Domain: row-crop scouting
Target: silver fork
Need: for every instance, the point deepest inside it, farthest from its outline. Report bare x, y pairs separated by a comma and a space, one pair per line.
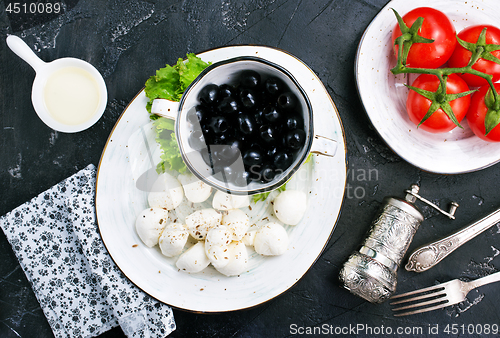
442, 295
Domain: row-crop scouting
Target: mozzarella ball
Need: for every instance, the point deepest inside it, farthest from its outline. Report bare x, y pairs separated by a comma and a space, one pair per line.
290, 206
201, 221
237, 221
271, 239
149, 225
249, 238
216, 246
195, 190
223, 201
238, 260
193, 259
166, 192
172, 239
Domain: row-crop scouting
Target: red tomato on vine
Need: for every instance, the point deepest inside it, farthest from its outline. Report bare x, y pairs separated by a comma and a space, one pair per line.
436, 26
418, 106
461, 56
477, 114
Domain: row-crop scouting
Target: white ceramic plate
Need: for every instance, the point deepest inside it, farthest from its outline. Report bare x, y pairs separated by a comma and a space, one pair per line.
384, 95
131, 151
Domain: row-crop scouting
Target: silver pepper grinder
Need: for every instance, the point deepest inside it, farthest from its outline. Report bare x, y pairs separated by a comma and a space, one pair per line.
371, 272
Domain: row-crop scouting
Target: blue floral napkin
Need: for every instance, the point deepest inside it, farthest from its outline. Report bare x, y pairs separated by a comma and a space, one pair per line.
80, 289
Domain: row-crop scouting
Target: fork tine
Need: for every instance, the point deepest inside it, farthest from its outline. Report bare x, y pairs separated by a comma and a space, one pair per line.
430, 288
440, 306
427, 295
442, 298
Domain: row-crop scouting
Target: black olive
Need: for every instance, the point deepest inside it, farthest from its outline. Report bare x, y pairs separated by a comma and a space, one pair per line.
241, 178
254, 143
196, 114
205, 129
230, 151
242, 137
218, 125
268, 133
249, 79
226, 174
222, 139
196, 140
222, 159
208, 95
254, 172
252, 157
287, 101
226, 90
294, 122
215, 157
295, 139
245, 124
282, 159
217, 162
248, 98
271, 152
267, 173
273, 86
228, 105
271, 113
235, 143
258, 116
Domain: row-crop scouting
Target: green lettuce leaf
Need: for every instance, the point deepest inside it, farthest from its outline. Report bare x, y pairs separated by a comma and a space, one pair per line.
263, 195
189, 70
170, 83
170, 155
165, 84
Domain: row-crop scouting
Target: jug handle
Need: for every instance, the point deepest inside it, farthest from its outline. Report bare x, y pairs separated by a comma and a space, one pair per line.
325, 146
165, 108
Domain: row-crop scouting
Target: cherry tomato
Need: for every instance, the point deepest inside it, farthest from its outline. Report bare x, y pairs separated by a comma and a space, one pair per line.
436, 26
461, 56
477, 113
417, 105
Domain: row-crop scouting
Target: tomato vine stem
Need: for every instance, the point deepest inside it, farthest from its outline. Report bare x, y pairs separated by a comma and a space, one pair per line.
440, 72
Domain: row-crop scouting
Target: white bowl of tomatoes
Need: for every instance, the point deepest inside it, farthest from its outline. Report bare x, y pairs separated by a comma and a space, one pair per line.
449, 138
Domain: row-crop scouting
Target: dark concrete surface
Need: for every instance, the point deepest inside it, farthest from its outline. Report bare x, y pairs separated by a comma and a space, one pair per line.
127, 41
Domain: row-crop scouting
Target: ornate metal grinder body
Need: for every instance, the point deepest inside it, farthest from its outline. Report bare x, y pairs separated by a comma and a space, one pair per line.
371, 272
